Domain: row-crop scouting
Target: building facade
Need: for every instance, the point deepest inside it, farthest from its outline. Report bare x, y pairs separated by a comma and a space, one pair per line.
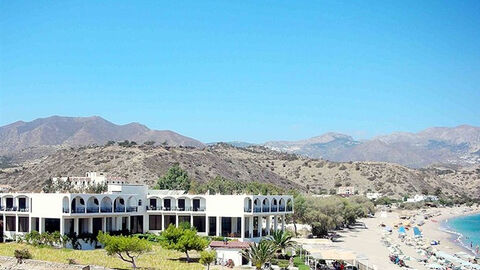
90, 179
421, 198
140, 210
346, 191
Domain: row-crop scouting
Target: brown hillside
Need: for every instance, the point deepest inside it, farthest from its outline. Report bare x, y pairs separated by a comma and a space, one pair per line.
145, 164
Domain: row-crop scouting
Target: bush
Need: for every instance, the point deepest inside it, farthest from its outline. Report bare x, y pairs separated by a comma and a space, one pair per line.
71, 261
207, 257
217, 238
304, 267
148, 236
45, 239
22, 254
283, 264
297, 261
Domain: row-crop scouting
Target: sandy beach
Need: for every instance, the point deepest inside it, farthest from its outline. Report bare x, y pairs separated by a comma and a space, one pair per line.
369, 243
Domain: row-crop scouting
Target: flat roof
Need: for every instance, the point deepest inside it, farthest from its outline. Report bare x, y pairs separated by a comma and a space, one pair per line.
229, 244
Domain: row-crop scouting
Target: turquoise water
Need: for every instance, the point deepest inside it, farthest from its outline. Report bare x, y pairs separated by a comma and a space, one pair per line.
468, 227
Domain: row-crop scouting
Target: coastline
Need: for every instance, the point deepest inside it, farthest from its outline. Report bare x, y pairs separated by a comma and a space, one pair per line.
437, 228
368, 243
457, 237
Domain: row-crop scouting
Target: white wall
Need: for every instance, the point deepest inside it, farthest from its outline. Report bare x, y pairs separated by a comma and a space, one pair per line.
224, 254
225, 205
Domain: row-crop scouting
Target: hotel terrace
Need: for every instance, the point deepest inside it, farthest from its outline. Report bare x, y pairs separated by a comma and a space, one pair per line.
139, 210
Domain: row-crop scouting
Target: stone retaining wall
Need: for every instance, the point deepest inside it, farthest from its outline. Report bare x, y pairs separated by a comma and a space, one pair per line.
7, 263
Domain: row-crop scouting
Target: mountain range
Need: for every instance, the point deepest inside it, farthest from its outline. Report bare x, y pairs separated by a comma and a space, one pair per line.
32, 152
433, 146
438, 145
77, 131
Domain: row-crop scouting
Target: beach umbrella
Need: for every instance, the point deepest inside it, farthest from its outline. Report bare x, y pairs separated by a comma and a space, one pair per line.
401, 230
417, 232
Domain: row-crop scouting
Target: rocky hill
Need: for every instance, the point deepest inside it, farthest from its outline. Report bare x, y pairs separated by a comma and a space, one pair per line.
145, 164
458, 145
51, 132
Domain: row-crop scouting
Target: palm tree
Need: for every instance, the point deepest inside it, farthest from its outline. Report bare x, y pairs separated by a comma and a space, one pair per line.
281, 240
260, 253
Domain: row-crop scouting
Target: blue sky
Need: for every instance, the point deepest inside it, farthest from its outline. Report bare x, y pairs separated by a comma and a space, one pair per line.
244, 70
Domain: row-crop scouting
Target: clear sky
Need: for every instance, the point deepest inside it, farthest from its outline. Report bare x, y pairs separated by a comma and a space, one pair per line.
244, 70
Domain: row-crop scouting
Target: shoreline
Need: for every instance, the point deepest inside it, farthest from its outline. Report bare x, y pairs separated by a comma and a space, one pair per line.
457, 237
369, 242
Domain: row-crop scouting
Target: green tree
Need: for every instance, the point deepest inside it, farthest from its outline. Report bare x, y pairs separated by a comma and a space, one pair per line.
221, 185
207, 257
260, 253
281, 239
384, 201
127, 248
175, 178
125, 143
110, 143
322, 225
300, 210
149, 143
96, 188
182, 239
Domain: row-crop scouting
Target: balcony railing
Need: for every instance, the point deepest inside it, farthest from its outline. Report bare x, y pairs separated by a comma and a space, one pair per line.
281, 209
274, 208
247, 209
65, 210
93, 210
106, 209
119, 209
289, 209
257, 209
160, 208
132, 209
14, 209
78, 210
266, 209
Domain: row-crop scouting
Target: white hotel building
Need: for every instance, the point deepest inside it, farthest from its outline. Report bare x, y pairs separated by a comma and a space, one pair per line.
139, 210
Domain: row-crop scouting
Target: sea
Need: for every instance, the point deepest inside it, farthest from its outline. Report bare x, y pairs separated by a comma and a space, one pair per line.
467, 229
